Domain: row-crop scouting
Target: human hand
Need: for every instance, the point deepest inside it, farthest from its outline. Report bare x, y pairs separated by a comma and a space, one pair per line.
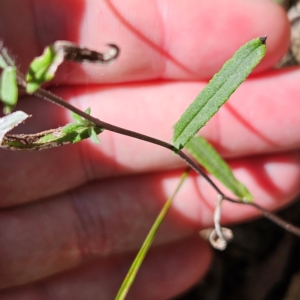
72, 218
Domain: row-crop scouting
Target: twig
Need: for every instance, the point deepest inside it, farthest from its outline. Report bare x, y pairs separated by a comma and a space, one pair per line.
48, 96
272, 217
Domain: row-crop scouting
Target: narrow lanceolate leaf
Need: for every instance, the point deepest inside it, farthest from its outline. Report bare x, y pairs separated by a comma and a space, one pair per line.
218, 90
9, 88
209, 158
7, 123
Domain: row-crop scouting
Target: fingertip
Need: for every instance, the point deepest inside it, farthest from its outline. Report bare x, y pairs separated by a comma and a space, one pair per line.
210, 32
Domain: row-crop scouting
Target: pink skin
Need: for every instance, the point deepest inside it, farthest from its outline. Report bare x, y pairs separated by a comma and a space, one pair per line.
89, 207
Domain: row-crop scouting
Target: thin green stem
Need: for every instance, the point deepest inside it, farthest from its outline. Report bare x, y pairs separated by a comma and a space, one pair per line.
129, 279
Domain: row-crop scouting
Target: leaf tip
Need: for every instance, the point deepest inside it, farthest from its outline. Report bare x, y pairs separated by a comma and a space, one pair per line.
88, 111
263, 39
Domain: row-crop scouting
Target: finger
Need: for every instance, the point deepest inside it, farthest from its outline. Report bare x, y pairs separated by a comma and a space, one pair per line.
114, 216
171, 269
173, 40
261, 117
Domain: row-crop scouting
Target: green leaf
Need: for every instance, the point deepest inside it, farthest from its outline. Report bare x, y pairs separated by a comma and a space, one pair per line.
93, 135
209, 158
42, 69
88, 111
69, 134
77, 118
81, 120
71, 127
9, 88
218, 90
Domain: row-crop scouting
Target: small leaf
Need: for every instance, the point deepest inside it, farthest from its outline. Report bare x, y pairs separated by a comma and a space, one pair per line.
7, 123
9, 88
85, 121
209, 158
69, 134
88, 111
77, 118
43, 68
218, 90
93, 135
81, 120
71, 127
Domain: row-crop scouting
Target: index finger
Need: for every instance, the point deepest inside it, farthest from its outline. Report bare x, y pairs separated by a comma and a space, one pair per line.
171, 40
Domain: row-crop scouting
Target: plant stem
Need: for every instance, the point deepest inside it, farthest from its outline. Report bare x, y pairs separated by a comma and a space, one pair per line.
48, 96
272, 217
130, 277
